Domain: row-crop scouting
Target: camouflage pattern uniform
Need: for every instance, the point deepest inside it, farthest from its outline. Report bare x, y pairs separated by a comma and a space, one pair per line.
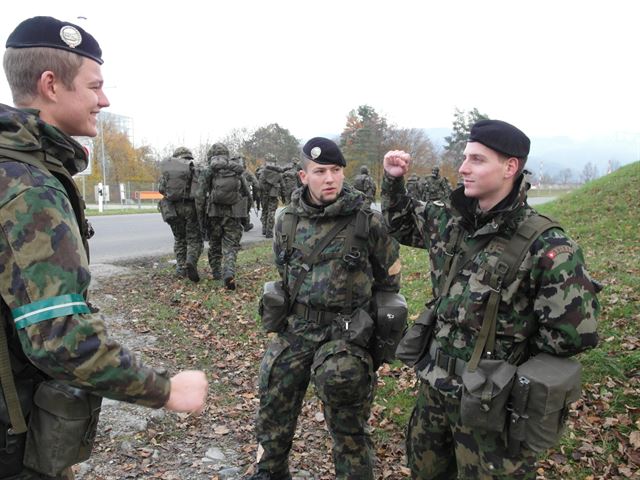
224, 221
44, 263
551, 305
436, 187
270, 188
181, 213
252, 182
290, 181
365, 184
286, 367
413, 187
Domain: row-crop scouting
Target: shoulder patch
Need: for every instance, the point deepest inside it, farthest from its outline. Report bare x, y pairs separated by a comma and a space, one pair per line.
555, 251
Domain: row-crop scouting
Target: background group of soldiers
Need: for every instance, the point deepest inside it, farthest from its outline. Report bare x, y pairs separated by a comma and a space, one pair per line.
213, 203
196, 211
428, 188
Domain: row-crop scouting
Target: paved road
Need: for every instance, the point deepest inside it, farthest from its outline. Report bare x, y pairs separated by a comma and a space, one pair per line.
121, 237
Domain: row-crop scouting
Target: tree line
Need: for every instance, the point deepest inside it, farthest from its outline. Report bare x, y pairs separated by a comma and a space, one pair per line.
365, 138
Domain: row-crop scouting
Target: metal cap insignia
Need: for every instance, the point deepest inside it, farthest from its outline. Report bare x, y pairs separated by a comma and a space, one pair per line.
316, 152
71, 36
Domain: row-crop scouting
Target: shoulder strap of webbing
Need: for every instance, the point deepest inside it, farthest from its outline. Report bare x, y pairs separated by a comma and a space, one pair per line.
456, 257
16, 417
503, 274
356, 241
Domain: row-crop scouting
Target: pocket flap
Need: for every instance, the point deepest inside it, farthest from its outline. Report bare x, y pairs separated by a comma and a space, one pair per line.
63, 400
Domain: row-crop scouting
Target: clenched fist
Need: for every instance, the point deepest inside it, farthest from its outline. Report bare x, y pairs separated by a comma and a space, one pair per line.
396, 163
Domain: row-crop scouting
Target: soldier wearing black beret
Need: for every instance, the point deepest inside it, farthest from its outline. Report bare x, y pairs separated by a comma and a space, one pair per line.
508, 285
330, 270
61, 358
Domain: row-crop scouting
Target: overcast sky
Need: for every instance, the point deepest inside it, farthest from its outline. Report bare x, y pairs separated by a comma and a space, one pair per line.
187, 72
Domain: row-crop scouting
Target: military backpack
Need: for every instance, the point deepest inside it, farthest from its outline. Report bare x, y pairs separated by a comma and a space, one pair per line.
178, 179
225, 182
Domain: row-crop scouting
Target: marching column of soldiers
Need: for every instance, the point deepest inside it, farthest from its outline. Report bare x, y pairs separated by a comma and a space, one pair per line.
193, 212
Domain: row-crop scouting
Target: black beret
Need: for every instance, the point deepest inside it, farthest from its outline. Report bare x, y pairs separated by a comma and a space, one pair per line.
53, 33
501, 137
324, 151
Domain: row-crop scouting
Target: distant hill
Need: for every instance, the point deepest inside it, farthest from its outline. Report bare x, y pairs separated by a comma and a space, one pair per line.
558, 153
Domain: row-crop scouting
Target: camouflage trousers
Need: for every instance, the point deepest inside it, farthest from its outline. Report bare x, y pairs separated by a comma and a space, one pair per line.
285, 373
440, 447
268, 215
225, 234
187, 237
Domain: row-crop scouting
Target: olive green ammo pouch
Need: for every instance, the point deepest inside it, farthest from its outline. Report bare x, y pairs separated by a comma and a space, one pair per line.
167, 210
391, 312
545, 387
62, 427
415, 342
274, 307
356, 328
485, 394
487, 382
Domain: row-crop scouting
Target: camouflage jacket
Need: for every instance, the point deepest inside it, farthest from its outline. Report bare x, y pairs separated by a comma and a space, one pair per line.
435, 188
551, 304
44, 271
252, 182
270, 179
289, 183
324, 287
366, 185
413, 187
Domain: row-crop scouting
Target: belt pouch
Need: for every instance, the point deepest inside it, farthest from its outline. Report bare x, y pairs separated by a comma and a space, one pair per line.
62, 427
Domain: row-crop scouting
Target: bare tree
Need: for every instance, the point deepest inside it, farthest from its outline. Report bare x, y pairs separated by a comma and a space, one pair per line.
565, 175
589, 172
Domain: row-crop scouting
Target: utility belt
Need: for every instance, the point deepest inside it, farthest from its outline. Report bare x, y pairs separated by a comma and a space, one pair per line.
452, 365
62, 424
322, 318
377, 328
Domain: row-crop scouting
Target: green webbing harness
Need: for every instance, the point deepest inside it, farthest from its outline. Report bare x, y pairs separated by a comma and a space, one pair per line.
356, 240
504, 273
16, 417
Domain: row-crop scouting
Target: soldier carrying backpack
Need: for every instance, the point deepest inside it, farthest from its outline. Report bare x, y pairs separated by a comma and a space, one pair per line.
365, 184
178, 185
223, 197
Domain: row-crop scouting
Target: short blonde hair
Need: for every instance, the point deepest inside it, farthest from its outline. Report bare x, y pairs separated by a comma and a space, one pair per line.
24, 66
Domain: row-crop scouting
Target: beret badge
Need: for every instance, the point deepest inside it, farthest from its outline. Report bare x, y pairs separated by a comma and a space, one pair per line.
71, 36
316, 152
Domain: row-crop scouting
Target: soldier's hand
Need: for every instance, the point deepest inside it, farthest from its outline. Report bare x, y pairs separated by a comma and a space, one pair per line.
396, 163
188, 392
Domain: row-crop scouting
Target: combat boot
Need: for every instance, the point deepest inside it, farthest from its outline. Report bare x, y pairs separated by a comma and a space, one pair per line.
229, 282
192, 272
248, 227
264, 475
